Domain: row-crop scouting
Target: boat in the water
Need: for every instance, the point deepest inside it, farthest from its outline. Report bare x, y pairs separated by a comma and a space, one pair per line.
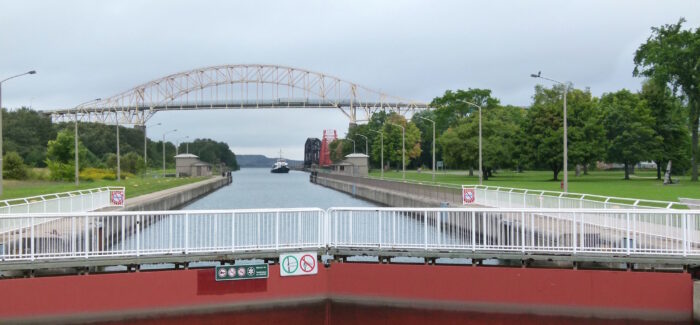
281, 166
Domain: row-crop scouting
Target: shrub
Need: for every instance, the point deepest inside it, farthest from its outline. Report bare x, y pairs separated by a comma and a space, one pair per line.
94, 174
13, 166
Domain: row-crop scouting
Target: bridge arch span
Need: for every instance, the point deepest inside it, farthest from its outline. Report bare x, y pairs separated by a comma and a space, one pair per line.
238, 86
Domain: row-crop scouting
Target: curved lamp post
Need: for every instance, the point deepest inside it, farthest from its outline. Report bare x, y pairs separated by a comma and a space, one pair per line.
427, 119
481, 170
77, 172
565, 185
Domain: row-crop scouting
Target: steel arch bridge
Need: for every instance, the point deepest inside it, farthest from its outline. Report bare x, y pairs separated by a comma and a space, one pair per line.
241, 86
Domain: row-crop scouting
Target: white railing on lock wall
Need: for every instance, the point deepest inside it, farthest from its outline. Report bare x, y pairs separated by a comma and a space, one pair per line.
508, 197
621, 232
65, 202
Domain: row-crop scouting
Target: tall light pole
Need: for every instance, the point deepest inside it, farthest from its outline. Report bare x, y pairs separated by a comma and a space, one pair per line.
381, 137
77, 172
119, 167
1, 155
403, 147
427, 119
177, 147
566, 153
145, 145
175, 130
481, 169
366, 145
353, 144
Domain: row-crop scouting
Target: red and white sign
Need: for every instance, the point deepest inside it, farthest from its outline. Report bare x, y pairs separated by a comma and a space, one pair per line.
116, 197
299, 264
468, 195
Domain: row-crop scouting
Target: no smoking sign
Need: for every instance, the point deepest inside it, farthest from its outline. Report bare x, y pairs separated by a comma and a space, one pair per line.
298, 264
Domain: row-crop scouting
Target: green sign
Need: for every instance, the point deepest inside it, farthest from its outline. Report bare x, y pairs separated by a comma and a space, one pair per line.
241, 272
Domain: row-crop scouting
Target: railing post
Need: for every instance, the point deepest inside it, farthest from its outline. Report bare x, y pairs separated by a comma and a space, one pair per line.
187, 233
170, 232
123, 239
473, 213
277, 230
425, 229
522, 230
74, 236
233, 232
138, 235
573, 234
685, 234
628, 234
31, 251
350, 226
87, 236
379, 229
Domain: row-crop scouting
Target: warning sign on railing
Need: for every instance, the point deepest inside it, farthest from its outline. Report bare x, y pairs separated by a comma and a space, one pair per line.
468, 195
298, 264
116, 197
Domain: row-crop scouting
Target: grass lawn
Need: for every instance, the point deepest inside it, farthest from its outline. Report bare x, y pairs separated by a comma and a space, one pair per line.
134, 186
643, 184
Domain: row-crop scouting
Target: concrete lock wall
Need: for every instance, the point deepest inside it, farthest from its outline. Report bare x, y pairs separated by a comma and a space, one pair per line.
175, 197
391, 193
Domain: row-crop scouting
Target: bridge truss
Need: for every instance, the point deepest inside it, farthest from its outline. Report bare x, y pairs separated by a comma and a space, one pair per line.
243, 86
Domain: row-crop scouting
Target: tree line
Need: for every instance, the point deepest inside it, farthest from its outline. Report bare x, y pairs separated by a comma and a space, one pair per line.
32, 140
657, 123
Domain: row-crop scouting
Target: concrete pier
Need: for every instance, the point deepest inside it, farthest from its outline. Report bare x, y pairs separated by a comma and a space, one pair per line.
391, 193
174, 198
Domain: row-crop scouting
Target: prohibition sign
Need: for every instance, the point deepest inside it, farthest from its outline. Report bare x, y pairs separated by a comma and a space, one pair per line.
241, 271
307, 263
232, 272
222, 273
290, 264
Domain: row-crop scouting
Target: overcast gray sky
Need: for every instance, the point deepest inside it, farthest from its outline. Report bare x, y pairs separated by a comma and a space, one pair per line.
412, 49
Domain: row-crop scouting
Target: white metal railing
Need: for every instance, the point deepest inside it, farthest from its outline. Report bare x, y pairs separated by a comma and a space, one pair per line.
85, 235
672, 233
65, 202
621, 232
508, 197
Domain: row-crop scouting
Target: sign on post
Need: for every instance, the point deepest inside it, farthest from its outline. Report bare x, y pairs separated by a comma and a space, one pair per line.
298, 264
468, 195
241, 272
116, 197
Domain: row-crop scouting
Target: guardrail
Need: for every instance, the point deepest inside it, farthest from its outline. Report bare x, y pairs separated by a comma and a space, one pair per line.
622, 232
508, 197
65, 202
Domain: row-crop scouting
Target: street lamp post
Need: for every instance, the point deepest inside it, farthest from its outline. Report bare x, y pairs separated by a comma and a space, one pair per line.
145, 146
119, 168
177, 147
403, 147
366, 145
481, 170
1, 155
381, 137
353, 144
77, 172
427, 119
175, 130
565, 186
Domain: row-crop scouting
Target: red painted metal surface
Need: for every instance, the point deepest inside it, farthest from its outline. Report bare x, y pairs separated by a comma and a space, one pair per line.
486, 289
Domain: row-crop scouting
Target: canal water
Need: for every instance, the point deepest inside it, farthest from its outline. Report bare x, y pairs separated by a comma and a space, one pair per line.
257, 188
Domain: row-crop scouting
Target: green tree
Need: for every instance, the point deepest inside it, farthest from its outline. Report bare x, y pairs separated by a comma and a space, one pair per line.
670, 124
26, 132
13, 166
585, 133
60, 157
393, 140
629, 129
544, 129
670, 55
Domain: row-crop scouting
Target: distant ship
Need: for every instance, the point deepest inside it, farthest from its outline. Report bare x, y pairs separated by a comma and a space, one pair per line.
281, 166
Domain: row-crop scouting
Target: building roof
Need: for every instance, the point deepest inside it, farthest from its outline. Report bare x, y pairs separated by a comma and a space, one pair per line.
186, 155
357, 155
